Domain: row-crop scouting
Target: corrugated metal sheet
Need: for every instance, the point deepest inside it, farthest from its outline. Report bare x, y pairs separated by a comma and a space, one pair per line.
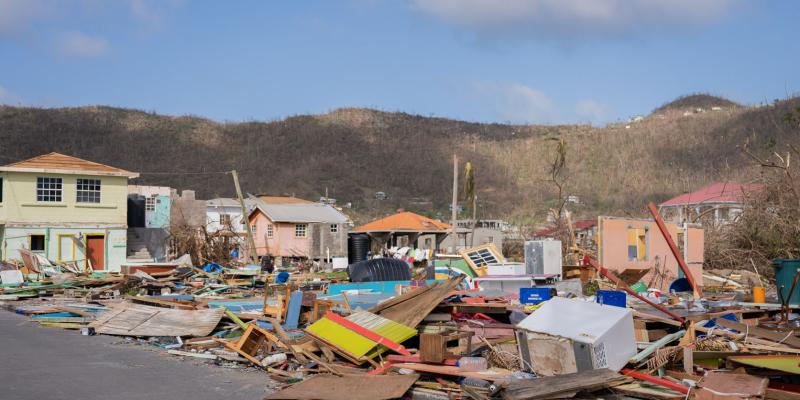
302, 213
352, 343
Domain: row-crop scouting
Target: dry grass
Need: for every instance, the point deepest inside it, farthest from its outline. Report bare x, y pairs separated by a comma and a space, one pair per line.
356, 152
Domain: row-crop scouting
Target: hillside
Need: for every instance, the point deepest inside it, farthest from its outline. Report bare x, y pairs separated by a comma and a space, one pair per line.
695, 101
357, 152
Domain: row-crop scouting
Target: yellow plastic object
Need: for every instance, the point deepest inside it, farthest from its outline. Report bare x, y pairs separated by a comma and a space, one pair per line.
356, 346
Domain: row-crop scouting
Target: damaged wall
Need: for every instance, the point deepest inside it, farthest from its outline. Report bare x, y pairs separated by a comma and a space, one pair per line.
625, 243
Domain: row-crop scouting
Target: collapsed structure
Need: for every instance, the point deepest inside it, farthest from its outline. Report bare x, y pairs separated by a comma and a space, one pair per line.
405, 320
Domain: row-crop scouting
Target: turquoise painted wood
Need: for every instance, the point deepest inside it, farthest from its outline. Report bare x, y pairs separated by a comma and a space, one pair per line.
387, 286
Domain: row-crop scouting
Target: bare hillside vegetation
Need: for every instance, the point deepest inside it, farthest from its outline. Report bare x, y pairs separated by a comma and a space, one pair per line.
355, 153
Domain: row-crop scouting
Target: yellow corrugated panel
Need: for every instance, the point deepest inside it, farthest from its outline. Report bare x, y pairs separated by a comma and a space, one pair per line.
354, 343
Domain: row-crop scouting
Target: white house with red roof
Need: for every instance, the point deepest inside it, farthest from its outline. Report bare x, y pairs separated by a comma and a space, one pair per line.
720, 202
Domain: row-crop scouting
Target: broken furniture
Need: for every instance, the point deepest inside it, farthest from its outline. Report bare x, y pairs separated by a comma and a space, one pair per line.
435, 347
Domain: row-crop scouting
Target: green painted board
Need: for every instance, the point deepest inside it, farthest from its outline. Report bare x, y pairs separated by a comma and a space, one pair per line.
790, 364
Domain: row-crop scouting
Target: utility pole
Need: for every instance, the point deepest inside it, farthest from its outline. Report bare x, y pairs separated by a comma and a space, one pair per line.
454, 214
251, 243
474, 218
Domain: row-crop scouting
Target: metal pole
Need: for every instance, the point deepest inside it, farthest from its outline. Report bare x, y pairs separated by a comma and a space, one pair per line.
673, 248
454, 214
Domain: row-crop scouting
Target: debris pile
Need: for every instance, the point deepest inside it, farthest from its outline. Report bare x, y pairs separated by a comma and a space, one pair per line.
322, 337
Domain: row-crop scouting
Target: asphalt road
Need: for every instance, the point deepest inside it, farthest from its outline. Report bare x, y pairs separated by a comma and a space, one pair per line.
52, 363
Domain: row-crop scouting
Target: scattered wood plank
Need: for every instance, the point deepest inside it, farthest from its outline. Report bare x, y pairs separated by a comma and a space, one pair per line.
488, 375
787, 338
549, 387
411, 308
190, 354
348, 387
139, 320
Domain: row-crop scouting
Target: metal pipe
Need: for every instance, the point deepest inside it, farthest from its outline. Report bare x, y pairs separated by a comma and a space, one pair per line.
657, 345
673, 248
658, 381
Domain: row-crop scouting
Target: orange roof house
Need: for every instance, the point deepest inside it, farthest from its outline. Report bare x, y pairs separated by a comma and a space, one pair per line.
403, 228
60, 163
405, 221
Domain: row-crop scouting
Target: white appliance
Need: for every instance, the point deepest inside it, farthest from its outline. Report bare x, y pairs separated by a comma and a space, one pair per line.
507, 268
339, 262
543, 257
508, 284
585, 335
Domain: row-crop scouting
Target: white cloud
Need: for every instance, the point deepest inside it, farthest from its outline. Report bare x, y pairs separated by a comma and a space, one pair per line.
153, 13
573, 18
515, 102
17, 15
7, 97
81, 45
591, 111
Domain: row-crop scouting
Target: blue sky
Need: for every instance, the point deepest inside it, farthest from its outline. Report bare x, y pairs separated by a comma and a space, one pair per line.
522, 61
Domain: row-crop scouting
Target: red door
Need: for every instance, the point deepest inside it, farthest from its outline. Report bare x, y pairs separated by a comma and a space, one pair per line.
95, 251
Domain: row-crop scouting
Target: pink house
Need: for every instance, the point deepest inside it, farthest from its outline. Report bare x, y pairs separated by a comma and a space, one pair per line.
624, 243
299, 230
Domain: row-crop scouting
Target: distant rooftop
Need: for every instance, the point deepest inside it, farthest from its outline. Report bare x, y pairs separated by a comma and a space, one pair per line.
721, 192
309, 212
283, 200
229, 202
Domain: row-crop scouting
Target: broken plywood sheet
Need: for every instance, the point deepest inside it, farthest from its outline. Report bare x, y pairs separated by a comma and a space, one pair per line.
729, 386
129, 319
562, 385
348, 387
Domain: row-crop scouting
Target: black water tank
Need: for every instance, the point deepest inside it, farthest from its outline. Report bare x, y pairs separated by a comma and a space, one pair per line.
357, 247
379, 270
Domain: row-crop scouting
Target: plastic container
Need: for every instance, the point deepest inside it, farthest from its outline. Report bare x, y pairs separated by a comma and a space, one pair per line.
535, 295
378, 270
785, 270
473, 364
612, 298
273, 359
475, 382
758, 295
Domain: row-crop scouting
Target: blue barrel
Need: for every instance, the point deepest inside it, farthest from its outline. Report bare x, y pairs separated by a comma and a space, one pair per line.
785, 271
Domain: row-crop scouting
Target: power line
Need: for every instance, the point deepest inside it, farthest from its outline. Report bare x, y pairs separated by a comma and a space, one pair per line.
185, 173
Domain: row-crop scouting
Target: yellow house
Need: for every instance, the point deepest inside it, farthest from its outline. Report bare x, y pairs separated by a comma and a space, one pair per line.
66, 209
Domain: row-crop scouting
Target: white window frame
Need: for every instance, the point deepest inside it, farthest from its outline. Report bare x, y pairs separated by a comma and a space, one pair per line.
49, 189
225, 220
150, 203
270, 231
88, 190
254, 229
300, 230
334, 228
